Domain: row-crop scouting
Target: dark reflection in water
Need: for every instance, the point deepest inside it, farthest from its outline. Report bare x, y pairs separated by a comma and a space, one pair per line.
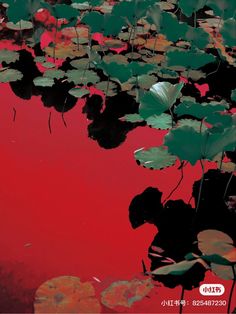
25, 87
56, 96
178, 224
106, 127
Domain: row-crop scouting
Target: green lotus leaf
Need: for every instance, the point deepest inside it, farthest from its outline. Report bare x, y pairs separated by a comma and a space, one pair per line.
190, 145
219, 120
94, 20
212, 242
109, 88
190, 257
8, 56
188, 7
133, 117
140, 68
228, 32
195, 75
154, 16
21, 10
10, 75
188, 59
197, 37
43, 81
159, 99
115, 70
199, 111
48, 65
216, 259
61, 11
64, 11
171, 27
108, 24
233, 95
224, 272
186, 143
224, 8
133, 10
82, 77
90, 3
112, 24
167, 73
195, 124
219, 142
40, 59
80, 64
21, 25
144, 81
176, 269
79, 92
57, 74
154, 158
162, 122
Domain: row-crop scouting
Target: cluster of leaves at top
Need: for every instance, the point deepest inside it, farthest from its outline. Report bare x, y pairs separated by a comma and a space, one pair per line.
160, 47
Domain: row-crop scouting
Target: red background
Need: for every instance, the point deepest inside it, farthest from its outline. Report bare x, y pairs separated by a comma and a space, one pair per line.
64, 202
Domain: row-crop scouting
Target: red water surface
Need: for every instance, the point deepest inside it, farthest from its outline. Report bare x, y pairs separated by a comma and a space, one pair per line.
64, 202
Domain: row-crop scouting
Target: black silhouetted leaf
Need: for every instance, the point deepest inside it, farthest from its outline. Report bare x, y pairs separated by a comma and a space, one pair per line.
155, 158
145, 207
